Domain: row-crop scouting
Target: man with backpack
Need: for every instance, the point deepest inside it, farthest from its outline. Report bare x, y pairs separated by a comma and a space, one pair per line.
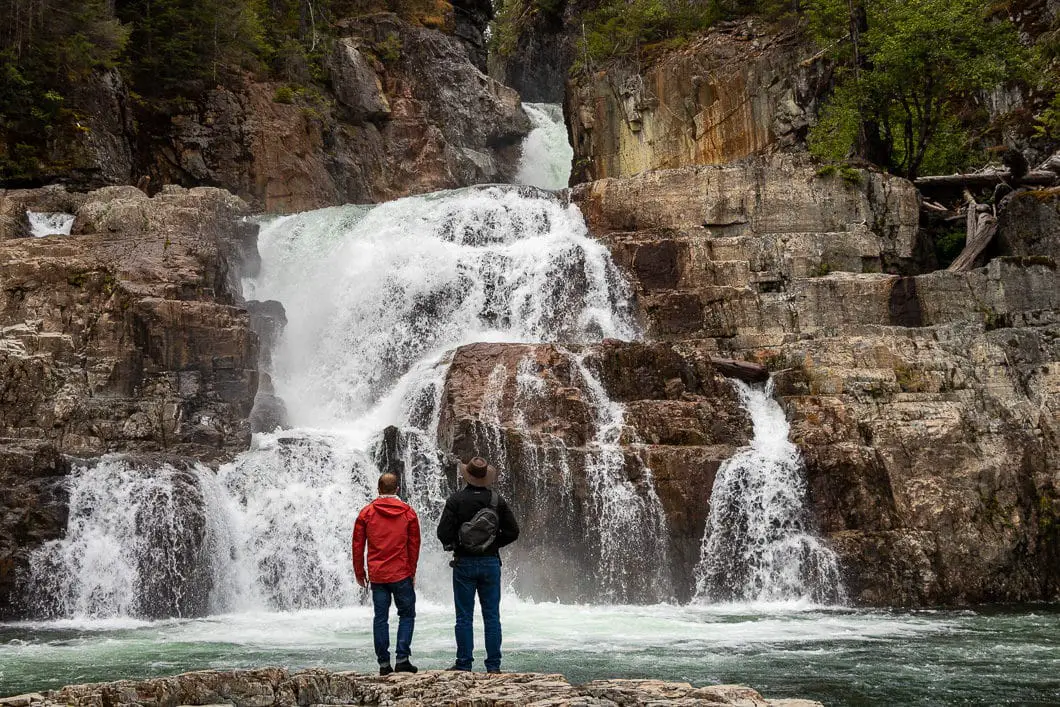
391, 530
477, 522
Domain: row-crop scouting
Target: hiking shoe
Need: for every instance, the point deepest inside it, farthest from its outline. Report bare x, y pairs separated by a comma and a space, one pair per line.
459, 669
403, 666
385, 669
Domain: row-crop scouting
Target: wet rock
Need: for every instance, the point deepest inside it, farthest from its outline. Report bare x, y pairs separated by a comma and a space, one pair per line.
514, 404
32, 510
922, 401
275, 686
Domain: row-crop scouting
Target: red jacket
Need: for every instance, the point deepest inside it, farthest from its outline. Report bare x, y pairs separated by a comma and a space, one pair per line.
392, 531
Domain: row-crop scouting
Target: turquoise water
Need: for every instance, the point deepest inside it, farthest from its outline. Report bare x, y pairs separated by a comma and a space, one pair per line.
841, 657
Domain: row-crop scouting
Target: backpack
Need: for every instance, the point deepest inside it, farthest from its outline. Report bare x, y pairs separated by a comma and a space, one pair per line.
477, 534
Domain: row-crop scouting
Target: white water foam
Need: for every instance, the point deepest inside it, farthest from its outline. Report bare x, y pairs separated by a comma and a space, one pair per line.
547, 154
759, 543
376, 300
133, 537
43, 223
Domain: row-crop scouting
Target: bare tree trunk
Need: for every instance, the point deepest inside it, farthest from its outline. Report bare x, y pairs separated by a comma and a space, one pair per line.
981, 227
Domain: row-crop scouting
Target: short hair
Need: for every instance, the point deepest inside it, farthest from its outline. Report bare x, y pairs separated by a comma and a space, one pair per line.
388, 483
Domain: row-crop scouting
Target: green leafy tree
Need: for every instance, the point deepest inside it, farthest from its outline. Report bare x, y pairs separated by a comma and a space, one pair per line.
909, 70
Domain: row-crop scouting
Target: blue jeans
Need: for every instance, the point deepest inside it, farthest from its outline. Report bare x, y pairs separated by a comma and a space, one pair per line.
405, 598
482, 575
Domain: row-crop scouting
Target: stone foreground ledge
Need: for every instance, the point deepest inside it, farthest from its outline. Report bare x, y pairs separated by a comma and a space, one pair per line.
277, 687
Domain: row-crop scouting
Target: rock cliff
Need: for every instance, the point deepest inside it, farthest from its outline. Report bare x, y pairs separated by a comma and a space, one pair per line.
739, 90
127, 336
924, 402
403, 110
277, 687
533, 410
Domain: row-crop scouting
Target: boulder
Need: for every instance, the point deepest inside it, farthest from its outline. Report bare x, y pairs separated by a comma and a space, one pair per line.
275, 686
543, 414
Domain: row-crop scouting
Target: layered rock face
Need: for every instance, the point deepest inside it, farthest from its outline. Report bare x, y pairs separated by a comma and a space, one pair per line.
924, 404
280, 688
127, 336
542, 412
406, 110
737, 91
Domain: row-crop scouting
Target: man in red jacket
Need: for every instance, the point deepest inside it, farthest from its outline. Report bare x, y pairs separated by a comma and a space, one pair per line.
392, 532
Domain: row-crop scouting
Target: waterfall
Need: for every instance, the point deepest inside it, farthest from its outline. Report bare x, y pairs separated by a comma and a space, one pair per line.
759, 543
619, 526
135, 544
376, 300
43, 224
547, 154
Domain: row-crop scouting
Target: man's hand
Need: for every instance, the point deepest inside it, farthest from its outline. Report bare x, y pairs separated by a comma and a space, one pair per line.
362, 582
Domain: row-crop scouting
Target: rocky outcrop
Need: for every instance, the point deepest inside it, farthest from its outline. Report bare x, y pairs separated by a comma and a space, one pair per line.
924, 402
533, 408
128, 336
33, 509
406, 112
737, 91
276, 687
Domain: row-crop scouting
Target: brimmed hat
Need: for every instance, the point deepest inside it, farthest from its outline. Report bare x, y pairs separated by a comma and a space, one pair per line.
478, 472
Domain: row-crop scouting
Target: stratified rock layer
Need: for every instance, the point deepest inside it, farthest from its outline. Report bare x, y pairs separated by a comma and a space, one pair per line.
533, 412
737, 91
275, 687
128, 336
925, 404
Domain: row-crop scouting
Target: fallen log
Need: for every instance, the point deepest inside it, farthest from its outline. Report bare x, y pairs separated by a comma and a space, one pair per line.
981, 227
742, 370
982, 180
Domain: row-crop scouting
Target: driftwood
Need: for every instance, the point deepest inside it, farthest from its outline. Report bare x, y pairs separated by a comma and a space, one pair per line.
982, 180
981, 227
747, 372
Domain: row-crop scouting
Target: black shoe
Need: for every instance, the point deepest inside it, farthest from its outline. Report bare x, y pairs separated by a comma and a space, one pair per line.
385, 669
403, 666
459, 669
495, 671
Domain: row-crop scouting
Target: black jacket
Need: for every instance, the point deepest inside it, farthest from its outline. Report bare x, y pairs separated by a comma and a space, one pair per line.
461, 506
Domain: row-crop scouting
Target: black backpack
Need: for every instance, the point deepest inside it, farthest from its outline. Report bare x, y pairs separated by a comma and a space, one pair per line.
477, 534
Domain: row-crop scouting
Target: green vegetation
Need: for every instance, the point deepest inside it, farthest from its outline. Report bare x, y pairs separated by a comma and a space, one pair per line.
169, 51
47, 48
909, 71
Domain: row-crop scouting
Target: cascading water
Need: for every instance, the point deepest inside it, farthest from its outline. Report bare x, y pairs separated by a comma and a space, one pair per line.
759, 543
376, 301
135, 544
43, 223
547, 154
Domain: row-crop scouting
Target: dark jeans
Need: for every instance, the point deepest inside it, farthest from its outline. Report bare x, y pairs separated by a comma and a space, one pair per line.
405, 598
482, 575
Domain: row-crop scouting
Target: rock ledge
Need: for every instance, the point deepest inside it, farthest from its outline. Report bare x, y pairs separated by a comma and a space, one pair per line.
276, 686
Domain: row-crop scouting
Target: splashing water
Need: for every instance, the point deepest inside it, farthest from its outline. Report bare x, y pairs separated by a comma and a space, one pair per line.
43, 224
759, 543
135, 544
547, 154
376, 300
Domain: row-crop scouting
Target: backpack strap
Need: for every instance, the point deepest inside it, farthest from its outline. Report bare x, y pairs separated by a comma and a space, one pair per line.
495, 499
